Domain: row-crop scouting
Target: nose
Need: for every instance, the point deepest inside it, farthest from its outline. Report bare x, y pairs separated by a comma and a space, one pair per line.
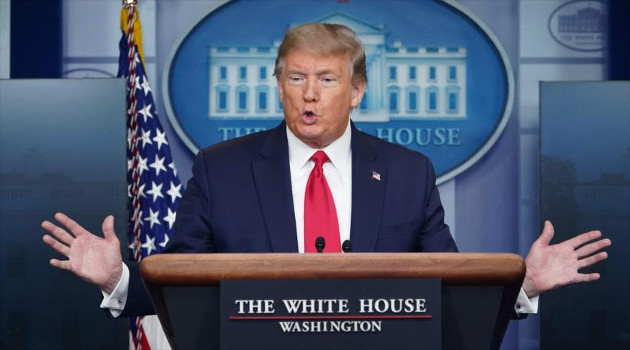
311, 90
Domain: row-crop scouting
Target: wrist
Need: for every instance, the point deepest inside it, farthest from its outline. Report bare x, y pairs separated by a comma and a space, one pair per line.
529, 286
113, 280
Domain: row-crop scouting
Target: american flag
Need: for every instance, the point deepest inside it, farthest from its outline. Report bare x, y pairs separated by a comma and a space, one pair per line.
153, 188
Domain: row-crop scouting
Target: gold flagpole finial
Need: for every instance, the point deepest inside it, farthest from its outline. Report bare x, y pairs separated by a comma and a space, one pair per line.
128, 3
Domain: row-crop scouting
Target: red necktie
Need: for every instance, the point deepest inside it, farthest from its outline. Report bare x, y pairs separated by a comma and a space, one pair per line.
320, 214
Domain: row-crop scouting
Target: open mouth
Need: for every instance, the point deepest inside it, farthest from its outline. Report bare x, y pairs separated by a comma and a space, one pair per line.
309, 117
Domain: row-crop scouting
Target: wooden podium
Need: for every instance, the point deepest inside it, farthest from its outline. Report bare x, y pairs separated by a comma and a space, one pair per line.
478, 289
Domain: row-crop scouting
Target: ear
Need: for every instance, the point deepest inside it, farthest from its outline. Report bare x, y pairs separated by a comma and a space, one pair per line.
358, 88
280, 89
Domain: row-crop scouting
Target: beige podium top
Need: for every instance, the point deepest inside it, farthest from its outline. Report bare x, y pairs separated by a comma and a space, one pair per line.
452, 268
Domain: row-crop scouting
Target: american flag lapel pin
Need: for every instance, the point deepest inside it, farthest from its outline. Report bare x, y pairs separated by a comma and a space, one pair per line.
376, 176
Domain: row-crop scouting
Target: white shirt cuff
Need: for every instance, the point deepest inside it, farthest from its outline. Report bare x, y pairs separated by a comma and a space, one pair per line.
116, 301
525, 305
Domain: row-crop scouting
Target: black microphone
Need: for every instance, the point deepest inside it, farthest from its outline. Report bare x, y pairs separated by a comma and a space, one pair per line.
346, 246
320, 243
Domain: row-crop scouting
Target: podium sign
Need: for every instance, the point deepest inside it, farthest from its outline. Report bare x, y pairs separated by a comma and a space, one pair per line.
331, 313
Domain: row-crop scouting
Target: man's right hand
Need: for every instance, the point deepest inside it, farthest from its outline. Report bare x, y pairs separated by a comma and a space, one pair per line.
94, 259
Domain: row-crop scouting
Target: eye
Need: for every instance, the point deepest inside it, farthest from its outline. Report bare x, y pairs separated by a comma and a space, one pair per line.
328, 80
295, 79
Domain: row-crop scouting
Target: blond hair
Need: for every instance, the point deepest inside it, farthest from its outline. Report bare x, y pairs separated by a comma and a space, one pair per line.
324, 39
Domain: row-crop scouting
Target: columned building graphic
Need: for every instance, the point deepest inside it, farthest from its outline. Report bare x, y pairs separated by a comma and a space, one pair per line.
586, 20
405, 82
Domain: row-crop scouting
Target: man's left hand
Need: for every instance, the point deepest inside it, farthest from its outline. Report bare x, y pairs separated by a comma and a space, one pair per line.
553, 266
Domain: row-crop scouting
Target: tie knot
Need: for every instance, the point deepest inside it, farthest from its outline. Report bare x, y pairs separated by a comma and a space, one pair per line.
320, 157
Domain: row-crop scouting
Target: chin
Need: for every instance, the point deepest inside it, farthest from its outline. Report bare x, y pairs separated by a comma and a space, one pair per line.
311, 140
310, 132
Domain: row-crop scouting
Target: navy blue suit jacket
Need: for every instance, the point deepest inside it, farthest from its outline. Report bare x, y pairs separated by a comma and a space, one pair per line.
239, 200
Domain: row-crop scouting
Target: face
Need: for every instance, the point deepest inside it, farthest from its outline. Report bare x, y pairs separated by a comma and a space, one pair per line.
317, 95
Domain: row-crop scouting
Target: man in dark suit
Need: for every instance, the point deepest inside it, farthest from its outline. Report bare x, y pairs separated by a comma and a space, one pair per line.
251, 194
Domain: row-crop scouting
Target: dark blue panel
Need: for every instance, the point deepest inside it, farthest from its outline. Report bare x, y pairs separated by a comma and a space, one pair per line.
62, 148
36, 42
585, 185
619, 40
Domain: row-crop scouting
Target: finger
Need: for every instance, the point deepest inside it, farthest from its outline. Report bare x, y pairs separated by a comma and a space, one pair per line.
582, 263
583, 238
546, 235
61, 264
108, 228
58, 247
58, 232
587, 277
72, 225
591, 248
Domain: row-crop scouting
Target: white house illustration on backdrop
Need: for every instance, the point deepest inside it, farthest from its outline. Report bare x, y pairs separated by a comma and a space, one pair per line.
405, 83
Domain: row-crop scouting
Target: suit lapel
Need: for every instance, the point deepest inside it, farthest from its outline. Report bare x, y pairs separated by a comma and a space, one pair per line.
273, 183
368, 194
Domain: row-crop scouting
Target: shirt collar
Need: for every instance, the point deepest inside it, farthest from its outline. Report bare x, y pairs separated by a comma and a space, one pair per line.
338, 151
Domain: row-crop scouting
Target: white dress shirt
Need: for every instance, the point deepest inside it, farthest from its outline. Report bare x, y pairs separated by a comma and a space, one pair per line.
338, 173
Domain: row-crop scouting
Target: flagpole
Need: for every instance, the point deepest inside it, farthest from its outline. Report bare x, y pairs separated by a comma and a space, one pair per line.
151, 206
132, 112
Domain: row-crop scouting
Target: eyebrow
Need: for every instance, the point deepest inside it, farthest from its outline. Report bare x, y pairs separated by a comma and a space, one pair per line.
318, 73
293, 71
326, 71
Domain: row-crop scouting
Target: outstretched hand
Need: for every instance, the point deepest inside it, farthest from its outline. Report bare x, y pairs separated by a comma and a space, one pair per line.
556, 265
94, 259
